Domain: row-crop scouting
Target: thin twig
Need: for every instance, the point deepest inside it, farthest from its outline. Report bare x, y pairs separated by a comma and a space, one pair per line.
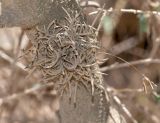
125, 45
126, 90
87, 3
25, 92
145, 79
119, 103
122, 65
11, 60
126, 111
101, 20
134, 11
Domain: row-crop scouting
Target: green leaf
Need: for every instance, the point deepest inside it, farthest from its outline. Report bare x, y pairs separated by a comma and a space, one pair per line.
157, 97
107, 24
143, 23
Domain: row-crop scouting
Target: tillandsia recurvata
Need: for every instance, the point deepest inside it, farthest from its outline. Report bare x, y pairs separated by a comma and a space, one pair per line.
65, 52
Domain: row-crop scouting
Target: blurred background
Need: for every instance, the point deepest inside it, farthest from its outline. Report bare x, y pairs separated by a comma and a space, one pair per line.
131, 35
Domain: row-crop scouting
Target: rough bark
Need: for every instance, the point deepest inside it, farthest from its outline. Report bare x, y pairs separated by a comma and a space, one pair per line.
29, 13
